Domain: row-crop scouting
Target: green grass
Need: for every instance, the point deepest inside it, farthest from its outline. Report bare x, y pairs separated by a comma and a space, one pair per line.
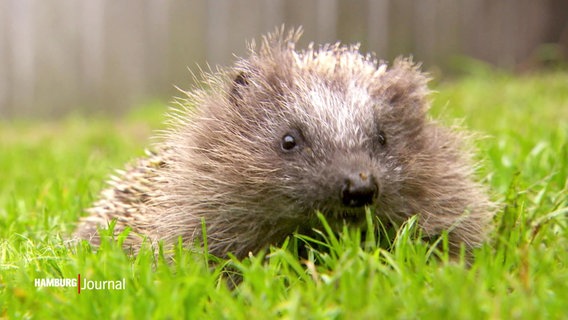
50, 172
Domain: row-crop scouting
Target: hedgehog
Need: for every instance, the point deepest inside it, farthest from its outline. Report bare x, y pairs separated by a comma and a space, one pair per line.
255, 152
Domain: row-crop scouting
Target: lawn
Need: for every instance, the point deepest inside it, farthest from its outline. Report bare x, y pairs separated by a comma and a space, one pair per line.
51, 171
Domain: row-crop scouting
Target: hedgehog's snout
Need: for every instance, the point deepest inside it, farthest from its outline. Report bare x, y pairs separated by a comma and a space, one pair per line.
359, 189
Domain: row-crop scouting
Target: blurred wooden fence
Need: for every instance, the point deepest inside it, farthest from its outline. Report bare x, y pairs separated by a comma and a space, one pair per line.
59, 56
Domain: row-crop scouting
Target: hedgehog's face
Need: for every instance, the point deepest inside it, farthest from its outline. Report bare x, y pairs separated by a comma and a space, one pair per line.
334, 138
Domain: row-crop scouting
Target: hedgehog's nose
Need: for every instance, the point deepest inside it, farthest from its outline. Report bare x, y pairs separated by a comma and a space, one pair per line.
359, 190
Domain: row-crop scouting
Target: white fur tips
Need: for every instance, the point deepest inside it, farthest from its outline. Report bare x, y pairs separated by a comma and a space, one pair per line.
381, 69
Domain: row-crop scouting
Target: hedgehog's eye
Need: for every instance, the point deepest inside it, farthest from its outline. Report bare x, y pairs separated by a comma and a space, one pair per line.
382, 138
292, 141
289, 142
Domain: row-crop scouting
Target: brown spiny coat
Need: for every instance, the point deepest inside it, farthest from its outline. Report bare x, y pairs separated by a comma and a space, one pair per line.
286, 133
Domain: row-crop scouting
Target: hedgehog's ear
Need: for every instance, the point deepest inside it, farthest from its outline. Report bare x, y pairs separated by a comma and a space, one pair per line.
405, 85
240, 81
